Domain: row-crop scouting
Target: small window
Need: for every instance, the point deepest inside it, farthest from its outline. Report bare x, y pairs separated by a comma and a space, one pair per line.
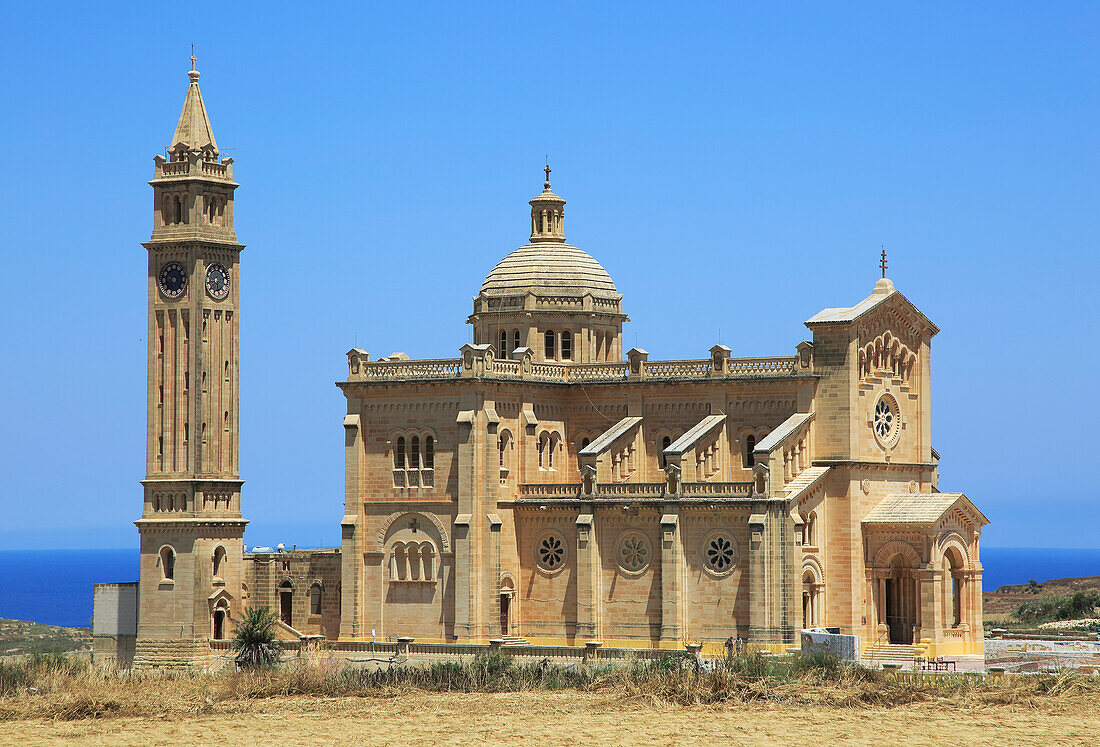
550, 347
542, 451
168, 563
429, 452
219, 560
414, 452
566, 345
399, 454
665, 443
503, 344
584, 442
515, 339
315, 599
750, 446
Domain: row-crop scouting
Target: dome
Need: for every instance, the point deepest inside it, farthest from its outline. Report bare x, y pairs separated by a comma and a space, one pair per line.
549, 268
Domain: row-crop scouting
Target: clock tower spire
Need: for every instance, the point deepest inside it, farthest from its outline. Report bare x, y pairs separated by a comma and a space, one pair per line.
191, 527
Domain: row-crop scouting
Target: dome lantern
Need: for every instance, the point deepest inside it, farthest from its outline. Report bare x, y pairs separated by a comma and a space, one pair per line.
547, 214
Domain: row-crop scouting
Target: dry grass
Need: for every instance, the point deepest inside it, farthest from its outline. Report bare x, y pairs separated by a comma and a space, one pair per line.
63, 689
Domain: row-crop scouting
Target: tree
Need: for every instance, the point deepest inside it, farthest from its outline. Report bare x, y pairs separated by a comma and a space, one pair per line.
254, 640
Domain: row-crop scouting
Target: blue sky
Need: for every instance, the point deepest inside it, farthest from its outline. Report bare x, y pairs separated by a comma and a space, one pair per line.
735, 167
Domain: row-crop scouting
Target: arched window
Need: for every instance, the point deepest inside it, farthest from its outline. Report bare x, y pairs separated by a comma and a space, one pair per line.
543, 441
414, 453
750, 446
515, 339
662, 461
549, 348
811, 529
219, 561
503, 344
552, 448
167, 563
566, 345
177, 210
399, 454
427, 561
503, 444
429, 452
315, 599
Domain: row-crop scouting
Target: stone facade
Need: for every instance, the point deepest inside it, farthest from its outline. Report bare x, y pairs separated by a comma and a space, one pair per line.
541, 485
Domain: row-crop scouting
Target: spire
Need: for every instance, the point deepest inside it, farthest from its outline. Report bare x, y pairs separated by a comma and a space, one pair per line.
883, 285
547, 214
193, 132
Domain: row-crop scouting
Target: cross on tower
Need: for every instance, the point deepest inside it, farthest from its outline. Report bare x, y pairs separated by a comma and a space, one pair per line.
547, 170
882, 262
413, 524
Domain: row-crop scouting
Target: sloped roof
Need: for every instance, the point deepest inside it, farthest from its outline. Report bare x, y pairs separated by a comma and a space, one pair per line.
193, 130
920, 508
697, 431
608, 437
786, 428
884, 289
805, 480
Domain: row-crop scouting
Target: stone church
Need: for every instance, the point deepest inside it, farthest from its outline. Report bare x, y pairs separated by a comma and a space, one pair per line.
545, 484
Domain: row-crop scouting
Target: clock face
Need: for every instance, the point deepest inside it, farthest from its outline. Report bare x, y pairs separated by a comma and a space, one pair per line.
172, 280
217, 281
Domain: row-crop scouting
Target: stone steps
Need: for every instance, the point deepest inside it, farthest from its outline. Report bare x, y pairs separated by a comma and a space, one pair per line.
515, 640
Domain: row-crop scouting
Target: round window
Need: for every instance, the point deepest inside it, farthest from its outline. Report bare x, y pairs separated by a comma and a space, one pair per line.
886, 420
633, 552
718, 553
550, 552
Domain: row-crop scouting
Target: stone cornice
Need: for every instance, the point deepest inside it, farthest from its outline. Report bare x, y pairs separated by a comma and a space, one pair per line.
164, 481
190, 522
860, 464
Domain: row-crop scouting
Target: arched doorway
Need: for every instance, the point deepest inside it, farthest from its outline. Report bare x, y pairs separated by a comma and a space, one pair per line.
901, 601
507, 591
811, 599
219, 623
286, 602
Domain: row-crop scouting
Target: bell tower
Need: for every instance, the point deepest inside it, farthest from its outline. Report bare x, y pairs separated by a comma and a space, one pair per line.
191, 527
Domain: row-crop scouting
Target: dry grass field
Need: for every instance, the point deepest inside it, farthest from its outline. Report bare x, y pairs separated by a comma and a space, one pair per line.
57, 700
567, 718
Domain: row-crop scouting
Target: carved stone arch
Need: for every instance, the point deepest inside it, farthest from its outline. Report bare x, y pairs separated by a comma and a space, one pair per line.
951, 538
506, 583
444, 541
896, 547
812, 564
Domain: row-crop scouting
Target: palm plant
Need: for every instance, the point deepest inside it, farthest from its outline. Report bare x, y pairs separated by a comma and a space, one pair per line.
254, 640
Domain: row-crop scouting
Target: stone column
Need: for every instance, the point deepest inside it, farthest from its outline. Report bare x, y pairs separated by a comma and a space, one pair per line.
587, 569
671, 571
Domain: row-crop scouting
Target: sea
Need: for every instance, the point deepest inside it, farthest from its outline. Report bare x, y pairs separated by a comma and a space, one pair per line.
55, 586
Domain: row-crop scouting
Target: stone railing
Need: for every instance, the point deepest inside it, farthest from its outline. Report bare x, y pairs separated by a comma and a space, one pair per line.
636, 489
215, 169
956, 634
439, 368
549, 490
775, 366
598, 372
548, 371
703, 489
693, 369
688, 370
175, 168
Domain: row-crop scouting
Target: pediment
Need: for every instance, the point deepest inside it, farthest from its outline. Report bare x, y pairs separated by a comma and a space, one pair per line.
895, 314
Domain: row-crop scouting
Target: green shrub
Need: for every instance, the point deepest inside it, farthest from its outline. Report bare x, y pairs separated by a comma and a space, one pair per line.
254, 641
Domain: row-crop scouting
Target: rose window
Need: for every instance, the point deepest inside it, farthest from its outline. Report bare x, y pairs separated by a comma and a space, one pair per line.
633, 553
550, 552
718, 553
884, 419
